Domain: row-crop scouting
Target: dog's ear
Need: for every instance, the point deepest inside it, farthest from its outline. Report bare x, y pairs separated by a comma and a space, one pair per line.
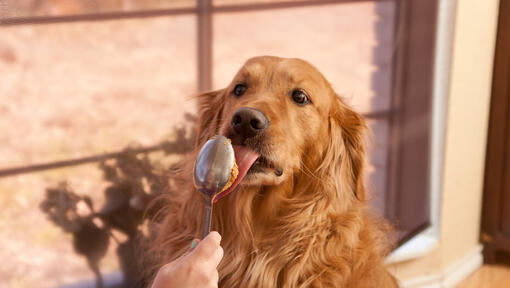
353, 129
210, 107
347, 129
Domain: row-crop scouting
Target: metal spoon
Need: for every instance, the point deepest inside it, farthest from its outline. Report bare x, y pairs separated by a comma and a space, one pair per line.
212, 172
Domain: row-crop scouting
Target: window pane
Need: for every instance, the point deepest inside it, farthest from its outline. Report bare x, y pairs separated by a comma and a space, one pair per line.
79, 89
93, 87
355, 45
31, 8
378, 168
353, 48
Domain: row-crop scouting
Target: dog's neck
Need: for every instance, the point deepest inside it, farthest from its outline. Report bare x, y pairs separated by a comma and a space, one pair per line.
255, 212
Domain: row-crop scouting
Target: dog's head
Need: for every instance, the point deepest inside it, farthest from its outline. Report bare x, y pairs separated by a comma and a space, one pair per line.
285, 120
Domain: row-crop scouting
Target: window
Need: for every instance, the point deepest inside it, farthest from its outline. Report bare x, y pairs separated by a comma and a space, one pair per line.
88, 77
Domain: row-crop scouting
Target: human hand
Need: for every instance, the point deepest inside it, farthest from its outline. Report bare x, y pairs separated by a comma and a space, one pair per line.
197, 268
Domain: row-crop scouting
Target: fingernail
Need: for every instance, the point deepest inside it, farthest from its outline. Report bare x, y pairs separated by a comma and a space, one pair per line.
194, 243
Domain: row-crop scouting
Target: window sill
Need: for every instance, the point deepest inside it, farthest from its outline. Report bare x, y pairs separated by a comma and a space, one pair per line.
420, 245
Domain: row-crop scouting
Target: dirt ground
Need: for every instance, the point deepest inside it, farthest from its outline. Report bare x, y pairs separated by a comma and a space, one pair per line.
77, 89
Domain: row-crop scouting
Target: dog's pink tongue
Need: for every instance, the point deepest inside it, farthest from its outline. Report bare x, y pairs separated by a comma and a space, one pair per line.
244, 159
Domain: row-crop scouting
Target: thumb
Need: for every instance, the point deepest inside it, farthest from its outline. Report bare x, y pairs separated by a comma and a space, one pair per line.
207, 248
194, 244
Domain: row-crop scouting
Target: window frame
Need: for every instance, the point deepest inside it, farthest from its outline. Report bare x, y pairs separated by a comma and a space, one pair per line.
427, 240
414, 35
408, 190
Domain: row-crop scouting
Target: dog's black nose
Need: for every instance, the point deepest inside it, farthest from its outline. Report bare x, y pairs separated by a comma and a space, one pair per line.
248, 122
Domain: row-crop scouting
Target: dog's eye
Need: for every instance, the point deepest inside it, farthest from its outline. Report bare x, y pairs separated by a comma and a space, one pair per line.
239, 89
300, 97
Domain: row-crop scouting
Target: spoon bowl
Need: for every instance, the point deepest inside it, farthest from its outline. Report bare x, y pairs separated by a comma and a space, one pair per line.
214, 165
212, 171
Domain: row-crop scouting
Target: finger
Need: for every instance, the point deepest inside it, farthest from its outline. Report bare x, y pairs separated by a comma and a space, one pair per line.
213, 283
194, 244
215, 235
218, 255
170, 265
215, 277
207, 248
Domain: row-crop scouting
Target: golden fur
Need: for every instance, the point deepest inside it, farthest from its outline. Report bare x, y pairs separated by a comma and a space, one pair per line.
306, 228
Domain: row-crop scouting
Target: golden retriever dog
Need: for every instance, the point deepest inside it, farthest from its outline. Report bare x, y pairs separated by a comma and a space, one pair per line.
298, 217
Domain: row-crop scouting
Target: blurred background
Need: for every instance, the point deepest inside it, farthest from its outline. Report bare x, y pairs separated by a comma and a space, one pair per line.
96, 106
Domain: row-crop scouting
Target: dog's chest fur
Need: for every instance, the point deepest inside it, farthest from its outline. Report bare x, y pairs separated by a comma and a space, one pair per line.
295, 243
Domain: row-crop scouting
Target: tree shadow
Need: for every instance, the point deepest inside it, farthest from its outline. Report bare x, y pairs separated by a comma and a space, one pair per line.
134, 180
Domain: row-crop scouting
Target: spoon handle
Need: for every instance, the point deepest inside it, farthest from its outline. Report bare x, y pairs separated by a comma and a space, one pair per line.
206, 226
